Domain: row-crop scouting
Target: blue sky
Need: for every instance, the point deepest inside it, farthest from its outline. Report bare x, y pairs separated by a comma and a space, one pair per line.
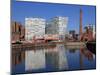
20, 10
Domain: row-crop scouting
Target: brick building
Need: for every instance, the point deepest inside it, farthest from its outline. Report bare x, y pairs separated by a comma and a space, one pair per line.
17, 31
88, 34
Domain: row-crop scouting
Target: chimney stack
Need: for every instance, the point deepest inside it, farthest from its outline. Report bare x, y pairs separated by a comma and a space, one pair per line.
80, 27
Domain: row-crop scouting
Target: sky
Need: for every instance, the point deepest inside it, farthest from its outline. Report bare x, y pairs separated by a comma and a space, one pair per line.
20, 10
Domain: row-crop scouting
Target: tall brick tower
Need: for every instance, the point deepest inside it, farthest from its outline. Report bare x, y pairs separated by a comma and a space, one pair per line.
80, 26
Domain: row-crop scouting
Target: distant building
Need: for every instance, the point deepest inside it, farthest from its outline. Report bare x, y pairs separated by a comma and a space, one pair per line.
34, 27
58, 26
73, 35
72, 32
17, 31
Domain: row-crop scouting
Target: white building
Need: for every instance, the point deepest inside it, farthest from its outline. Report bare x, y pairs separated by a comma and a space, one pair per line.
34, 27
58, 26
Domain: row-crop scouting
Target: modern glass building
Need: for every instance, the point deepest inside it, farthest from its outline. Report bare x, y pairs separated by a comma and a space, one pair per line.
57, 25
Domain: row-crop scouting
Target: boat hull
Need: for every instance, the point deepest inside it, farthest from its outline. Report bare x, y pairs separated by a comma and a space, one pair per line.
91, 46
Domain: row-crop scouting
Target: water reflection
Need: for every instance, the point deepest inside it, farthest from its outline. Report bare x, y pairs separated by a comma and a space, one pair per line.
34, 60
54, 58
18, 57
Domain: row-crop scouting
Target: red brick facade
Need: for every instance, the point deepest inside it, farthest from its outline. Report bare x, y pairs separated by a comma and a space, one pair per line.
17, 31
88, 35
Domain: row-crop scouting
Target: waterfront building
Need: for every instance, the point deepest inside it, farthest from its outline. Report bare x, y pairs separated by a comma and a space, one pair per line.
57, 25
17, 31
89, 34
34, 27
22, 33
91, 28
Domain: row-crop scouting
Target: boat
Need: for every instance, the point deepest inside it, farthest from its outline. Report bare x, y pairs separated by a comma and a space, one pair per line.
91, 46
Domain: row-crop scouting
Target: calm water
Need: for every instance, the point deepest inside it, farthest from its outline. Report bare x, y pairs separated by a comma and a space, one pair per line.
53, 58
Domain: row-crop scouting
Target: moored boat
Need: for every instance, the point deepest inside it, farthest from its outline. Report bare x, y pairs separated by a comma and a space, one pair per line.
91, 46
